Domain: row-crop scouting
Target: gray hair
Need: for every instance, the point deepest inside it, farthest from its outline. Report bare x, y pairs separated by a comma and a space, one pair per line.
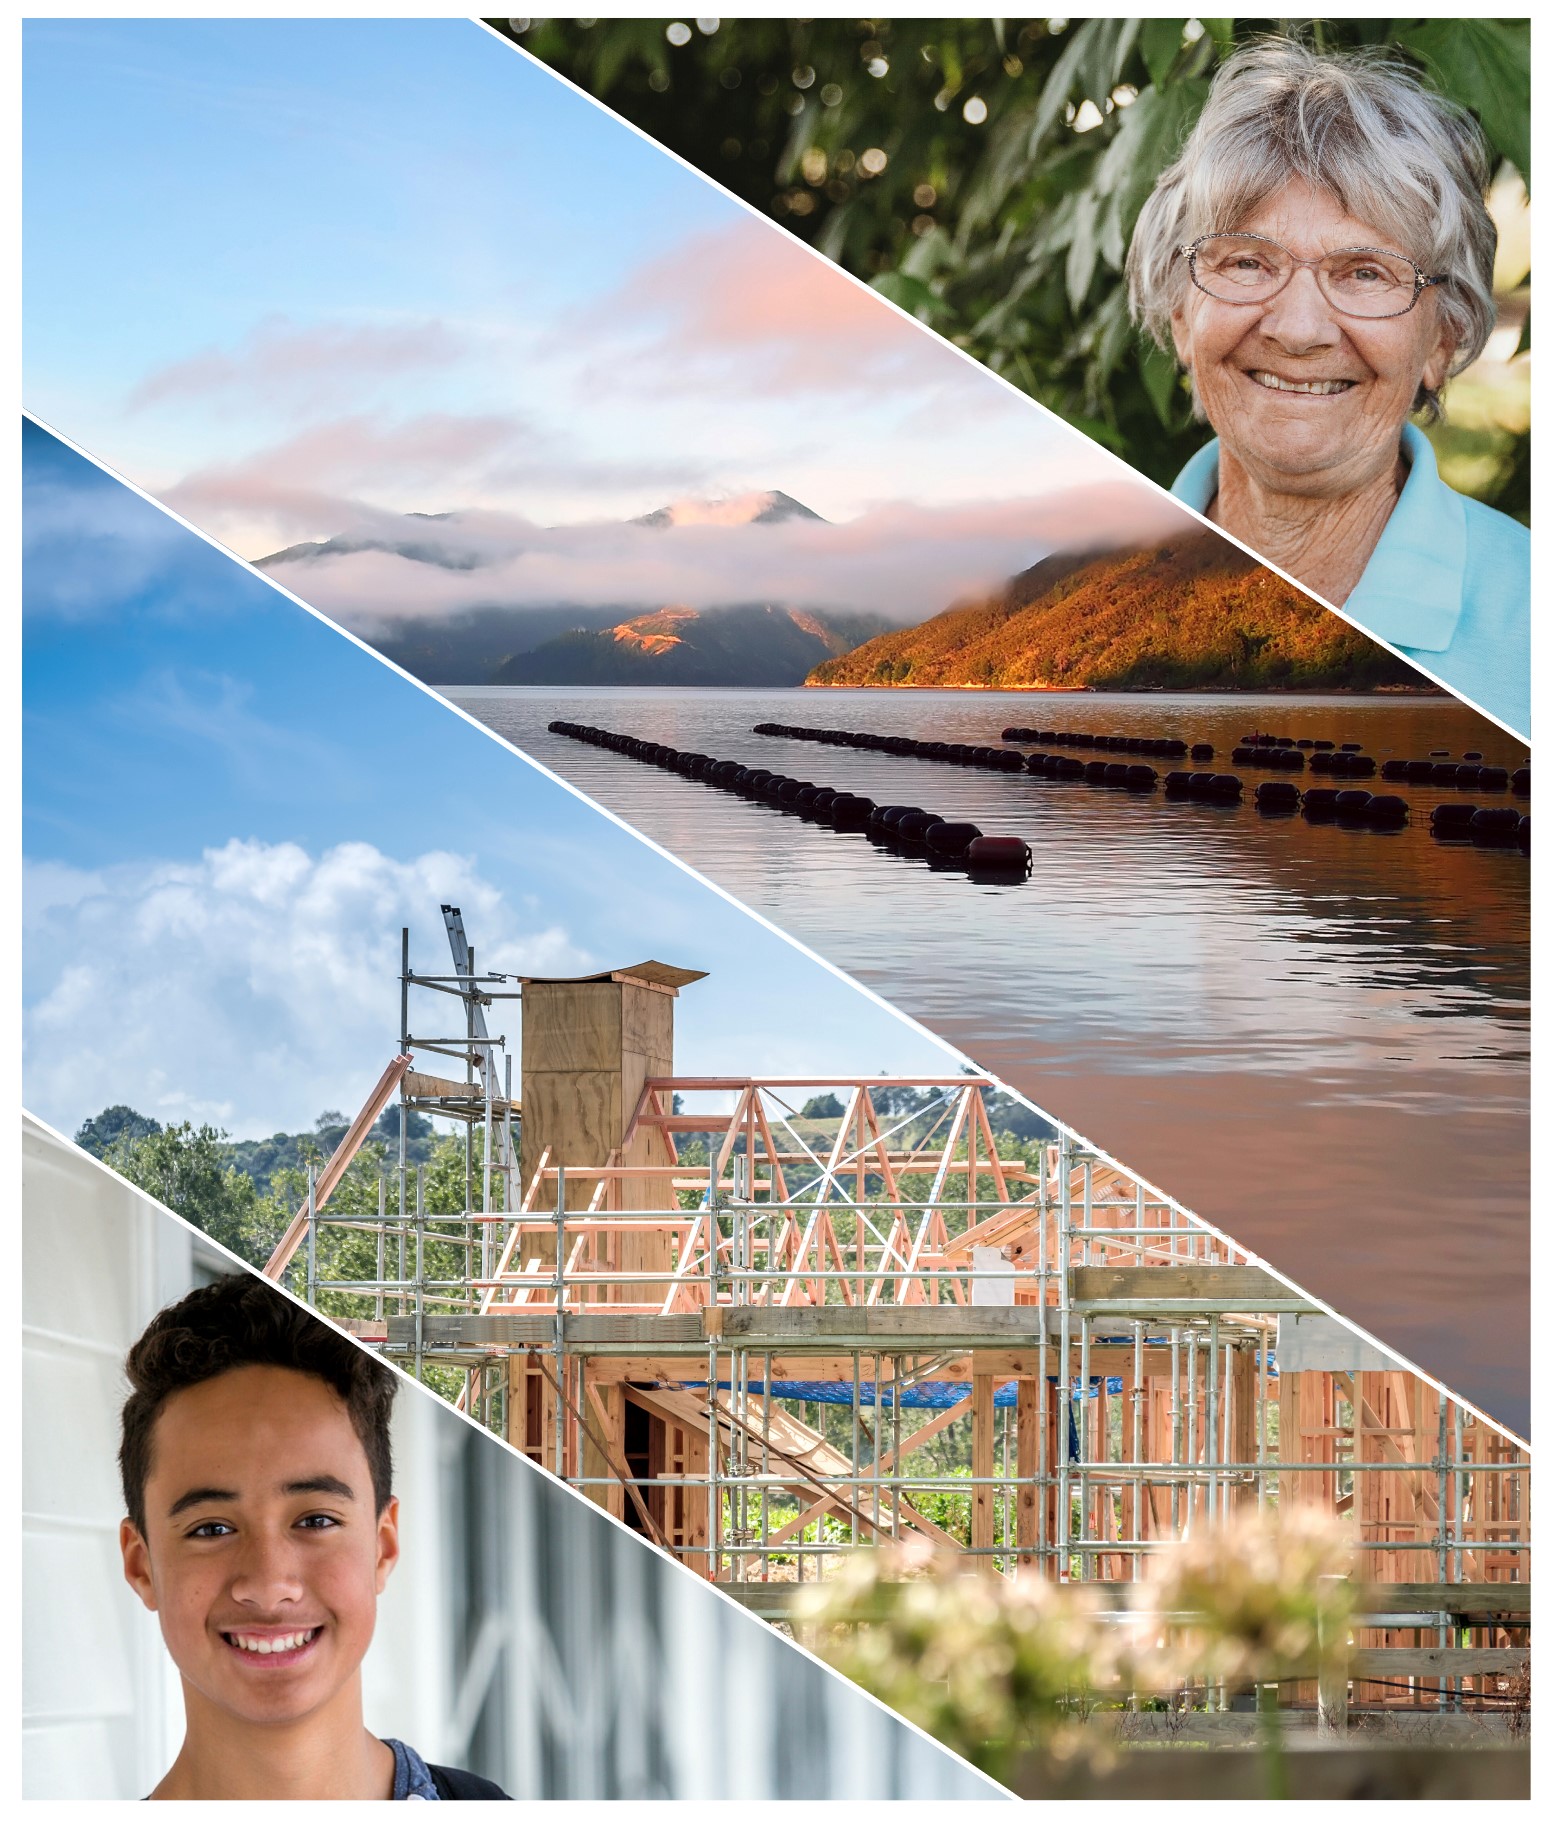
1358, 124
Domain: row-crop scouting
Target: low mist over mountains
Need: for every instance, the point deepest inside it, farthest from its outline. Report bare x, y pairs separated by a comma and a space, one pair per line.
1189, 613
735, 644
758, 590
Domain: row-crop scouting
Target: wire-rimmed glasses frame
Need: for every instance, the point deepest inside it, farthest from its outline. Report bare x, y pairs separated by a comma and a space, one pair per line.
1420, 281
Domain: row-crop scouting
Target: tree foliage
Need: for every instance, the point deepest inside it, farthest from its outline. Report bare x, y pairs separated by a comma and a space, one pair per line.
188, 1169
986, 175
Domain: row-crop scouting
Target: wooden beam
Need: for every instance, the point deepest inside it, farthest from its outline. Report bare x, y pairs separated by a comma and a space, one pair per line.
983, 1449
339, 1161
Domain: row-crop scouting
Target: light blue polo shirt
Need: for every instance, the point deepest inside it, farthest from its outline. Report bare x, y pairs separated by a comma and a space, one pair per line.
1448, 585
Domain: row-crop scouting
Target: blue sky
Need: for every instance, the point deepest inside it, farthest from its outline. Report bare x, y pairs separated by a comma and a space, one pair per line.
287, 274
230, 809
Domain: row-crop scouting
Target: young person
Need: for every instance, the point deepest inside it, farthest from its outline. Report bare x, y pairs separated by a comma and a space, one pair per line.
262, 1526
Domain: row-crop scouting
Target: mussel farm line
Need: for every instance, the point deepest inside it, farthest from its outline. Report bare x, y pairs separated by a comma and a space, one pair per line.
1351, 807
947, 843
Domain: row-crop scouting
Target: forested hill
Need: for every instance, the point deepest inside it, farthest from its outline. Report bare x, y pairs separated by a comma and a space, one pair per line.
1194, 613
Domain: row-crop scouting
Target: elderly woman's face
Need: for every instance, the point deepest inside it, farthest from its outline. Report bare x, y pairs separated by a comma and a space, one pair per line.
1309, 401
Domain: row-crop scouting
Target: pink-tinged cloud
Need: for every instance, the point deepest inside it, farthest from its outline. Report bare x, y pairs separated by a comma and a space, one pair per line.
304, 364
765, 315
898, 559
318, 478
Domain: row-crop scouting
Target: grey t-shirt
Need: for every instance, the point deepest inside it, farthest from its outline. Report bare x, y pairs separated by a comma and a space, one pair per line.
411, 1778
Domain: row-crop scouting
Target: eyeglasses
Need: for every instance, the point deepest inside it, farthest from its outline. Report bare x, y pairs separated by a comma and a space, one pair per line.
1359, 282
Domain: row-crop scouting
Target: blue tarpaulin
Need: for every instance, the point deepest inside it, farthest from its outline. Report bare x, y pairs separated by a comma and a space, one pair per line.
914, 1396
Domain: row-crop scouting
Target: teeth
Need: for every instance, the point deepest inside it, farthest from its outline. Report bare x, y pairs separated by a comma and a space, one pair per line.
1263, 379
266, 1647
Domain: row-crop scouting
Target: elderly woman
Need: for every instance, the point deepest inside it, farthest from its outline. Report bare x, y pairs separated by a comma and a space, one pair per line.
1321, 260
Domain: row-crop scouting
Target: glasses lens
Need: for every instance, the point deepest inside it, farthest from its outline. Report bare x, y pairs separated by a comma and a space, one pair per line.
1366, 284
1240, 269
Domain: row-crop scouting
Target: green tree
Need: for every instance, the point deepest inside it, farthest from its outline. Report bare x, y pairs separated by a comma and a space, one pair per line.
187, 1169
986, 175
98, 1134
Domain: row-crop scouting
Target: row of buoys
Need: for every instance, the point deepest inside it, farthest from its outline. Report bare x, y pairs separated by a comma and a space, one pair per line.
1202, 786
1260, 739
964, 755
1346, 762
947, 843
1250, 748
1469, 777
1170, 746
1458, 820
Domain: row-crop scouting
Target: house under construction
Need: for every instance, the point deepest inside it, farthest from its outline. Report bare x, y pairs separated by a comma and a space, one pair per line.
736, 1327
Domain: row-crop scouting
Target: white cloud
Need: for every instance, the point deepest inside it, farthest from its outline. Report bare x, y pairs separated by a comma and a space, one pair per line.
252, 987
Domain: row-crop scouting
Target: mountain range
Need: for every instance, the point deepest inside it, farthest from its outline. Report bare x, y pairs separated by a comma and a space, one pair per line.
734, 644
1190, 614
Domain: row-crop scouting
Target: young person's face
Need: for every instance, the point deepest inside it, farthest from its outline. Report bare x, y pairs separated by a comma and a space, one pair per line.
263, 1552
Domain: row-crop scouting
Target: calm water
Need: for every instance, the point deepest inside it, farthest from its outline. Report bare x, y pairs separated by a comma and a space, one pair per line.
1314, 1037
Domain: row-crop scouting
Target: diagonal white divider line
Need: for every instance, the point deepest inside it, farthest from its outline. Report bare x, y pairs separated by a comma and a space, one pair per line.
919, 1028
468, 1421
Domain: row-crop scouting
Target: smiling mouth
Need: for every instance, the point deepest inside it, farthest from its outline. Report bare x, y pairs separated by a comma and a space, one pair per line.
1263, 377
271, 1645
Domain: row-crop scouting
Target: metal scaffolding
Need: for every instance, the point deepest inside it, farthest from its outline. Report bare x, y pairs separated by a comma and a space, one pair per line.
763, 1338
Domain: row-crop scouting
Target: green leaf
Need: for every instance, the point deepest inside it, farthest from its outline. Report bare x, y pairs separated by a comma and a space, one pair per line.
913, 295
1063, 79
1160, 42
1484, 64
1152, 131
1160, 380
1084, 249
931, 254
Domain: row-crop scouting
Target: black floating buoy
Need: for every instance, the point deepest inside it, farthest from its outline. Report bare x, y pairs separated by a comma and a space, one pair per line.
1352, 803
1452, 819
850, 811
1495, 825
1002, 855
1493, 780
1471, 755
1386, 809
1319, 803
1519, 781
952, 837
913, 828
1277, 796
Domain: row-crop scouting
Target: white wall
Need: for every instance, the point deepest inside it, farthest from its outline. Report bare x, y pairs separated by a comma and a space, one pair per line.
101, 1714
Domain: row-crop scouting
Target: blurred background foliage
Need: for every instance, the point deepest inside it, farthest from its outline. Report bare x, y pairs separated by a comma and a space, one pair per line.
985, 175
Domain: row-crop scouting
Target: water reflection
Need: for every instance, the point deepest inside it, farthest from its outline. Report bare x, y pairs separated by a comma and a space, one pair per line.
1313, 1035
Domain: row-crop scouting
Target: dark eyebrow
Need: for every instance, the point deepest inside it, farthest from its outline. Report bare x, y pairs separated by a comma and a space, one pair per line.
214, 1494
323, 1482
202, 1494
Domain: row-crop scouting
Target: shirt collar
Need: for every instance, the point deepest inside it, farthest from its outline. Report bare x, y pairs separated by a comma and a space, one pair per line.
1411, 593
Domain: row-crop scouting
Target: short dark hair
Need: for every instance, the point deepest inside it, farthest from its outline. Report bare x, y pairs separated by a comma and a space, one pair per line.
244, 1320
